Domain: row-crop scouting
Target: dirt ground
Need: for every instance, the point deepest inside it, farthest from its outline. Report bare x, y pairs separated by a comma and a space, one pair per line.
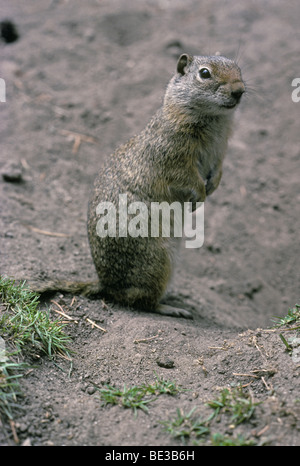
84, 77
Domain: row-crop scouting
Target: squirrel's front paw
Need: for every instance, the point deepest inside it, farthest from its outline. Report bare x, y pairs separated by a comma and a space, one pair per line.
197, 197
209, 188
213, 182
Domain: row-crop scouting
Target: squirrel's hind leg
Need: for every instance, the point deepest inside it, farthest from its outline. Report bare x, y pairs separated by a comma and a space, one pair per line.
145, 300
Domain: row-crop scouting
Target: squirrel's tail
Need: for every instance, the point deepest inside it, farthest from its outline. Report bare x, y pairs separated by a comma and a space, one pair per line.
91, 288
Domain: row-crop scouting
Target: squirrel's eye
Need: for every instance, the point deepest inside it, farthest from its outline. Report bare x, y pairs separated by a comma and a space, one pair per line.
204, 73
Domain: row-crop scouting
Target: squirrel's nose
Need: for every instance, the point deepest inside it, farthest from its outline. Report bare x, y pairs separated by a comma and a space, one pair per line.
238, 92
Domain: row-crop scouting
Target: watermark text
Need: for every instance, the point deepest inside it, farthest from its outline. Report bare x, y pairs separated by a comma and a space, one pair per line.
2, 90
160, 219
296, 92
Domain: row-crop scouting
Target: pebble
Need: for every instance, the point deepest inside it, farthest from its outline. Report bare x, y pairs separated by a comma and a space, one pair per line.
12, 172
27, 443
91, 390
166, 363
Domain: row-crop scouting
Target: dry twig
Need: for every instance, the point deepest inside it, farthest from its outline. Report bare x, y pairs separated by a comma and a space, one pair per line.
62, 312
93, 324
77, 138
145, 340
45, 232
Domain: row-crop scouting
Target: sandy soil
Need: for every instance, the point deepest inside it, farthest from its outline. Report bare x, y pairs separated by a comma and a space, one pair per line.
84, 77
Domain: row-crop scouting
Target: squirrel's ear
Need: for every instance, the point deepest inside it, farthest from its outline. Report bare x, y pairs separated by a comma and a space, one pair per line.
183, 61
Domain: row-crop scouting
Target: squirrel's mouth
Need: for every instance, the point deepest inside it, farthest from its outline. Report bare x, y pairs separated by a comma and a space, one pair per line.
230, 105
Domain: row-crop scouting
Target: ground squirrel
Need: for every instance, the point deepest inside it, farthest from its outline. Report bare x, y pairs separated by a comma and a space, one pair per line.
177, 157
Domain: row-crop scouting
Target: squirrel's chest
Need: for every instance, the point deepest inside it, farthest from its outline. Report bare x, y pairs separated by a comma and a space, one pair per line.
208, 157
210, 146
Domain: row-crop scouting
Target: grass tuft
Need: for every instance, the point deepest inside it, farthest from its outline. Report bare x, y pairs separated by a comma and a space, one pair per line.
233, 402
185, 426
137, 397
236, 402
22, 324
10, 372
25, 323
291, 322
219, 440
292, 317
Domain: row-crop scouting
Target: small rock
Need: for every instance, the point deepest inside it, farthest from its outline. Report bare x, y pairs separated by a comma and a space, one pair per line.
22, 427
166, 363
8, 31
12, 172
214, 248
91, 390
26, 443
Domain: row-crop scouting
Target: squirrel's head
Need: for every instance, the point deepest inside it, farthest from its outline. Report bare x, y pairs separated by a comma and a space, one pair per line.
211, 85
